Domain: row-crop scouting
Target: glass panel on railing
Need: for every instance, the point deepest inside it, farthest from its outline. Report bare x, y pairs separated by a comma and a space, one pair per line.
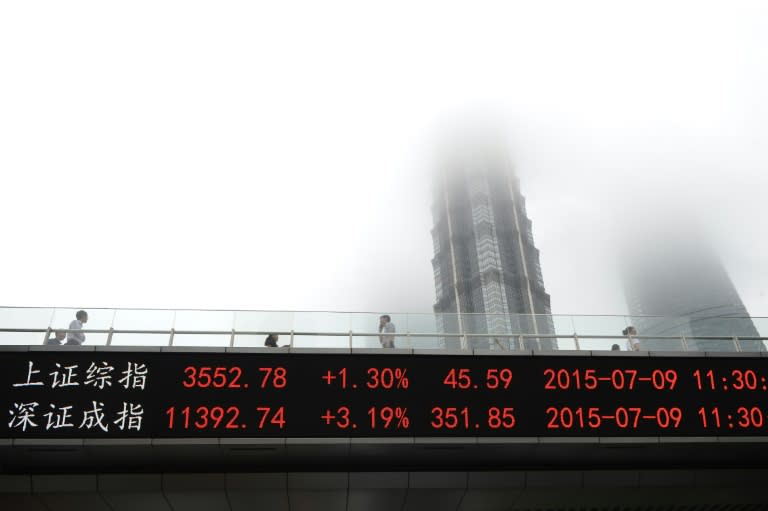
564, 326
485, 342
98, 319
24, 318
422, 342
507, 343
526, 331
717, 333
448, 323
142, 319
474, 323
659, 333
761, 325
405, 341
546, 327
427, 323
441, 342
587, 344
334, 322
363, 340
476, 328
202, 340
669, 343
567, 343
423, 323
745, 329
711, 343
201, 323
599, 325
322, 341
140, 339
319, 323
368, 323
261, 324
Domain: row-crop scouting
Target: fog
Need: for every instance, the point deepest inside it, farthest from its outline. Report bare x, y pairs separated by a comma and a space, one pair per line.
177, 154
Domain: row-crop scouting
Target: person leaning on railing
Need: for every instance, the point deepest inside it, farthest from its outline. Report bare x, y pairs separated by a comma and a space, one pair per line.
633, 344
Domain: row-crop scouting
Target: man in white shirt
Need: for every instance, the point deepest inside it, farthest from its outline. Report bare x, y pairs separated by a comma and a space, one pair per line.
77, 338
386, 326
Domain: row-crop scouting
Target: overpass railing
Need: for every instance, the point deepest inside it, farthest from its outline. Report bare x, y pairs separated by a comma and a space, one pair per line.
507, 332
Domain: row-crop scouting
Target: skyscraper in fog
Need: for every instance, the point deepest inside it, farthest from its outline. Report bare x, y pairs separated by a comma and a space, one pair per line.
485, 260
676, 275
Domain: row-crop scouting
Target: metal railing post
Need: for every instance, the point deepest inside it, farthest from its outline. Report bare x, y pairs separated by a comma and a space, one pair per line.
350, 339
521, 341
736, 343
576, 341
232, 339
170, 338
112, 323
47, 334
408, 338
685, 342
291, 342
109, 336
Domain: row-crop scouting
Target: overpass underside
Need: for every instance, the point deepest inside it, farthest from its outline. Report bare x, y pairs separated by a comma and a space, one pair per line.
552, 490
631, 474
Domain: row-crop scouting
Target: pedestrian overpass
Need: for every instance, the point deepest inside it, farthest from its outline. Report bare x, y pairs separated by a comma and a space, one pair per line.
173, 410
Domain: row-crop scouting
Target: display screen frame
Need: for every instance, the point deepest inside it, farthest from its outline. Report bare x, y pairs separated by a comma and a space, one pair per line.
403, 405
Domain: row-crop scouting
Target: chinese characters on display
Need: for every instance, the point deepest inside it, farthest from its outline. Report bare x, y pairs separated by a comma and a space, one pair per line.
61, 414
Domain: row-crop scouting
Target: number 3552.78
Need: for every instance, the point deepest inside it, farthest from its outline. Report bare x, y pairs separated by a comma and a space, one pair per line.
230, 377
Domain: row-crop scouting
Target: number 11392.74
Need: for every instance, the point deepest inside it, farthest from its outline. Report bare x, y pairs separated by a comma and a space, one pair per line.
221, 417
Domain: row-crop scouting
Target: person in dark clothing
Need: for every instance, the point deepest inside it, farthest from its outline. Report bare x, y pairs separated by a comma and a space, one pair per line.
271, 341
615, 347
57, 339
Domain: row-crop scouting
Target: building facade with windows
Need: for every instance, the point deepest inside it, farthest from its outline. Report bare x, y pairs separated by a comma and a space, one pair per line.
676, 285
486, 267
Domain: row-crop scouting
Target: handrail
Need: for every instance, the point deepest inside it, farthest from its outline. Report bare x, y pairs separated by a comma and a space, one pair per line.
694, 314
495, 337
366, 334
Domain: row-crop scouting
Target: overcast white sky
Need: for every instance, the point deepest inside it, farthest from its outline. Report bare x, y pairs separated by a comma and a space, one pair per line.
276, 155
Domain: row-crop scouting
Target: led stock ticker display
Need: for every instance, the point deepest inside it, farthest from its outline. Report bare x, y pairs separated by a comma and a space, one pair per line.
109, 394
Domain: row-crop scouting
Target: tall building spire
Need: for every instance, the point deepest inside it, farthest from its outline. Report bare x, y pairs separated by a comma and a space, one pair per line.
486, 266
